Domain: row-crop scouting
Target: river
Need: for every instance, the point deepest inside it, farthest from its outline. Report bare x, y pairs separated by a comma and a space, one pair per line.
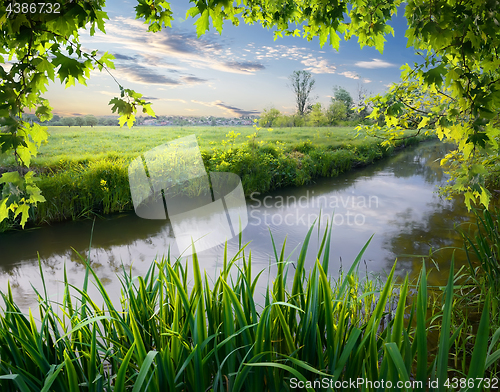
394, 200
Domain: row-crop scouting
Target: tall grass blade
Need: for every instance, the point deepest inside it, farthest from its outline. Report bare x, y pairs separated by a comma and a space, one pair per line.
346, 352
443, 350
18, 380
395, 355
421, 330
51, 377
479, 355
70, 373
287, 368
143, 372
122, 371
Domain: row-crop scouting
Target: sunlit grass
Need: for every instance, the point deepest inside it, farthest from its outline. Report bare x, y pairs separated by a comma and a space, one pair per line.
86, 143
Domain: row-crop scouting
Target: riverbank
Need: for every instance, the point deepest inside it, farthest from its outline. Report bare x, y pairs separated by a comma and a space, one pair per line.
77, 185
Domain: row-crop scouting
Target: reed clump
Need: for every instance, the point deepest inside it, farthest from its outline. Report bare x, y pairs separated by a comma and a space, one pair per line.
177, 330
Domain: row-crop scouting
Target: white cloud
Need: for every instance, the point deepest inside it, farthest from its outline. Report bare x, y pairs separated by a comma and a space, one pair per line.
172, 100
169, 49
117, 94
111, 94
318, 67
375, 63
349, 74
367, 81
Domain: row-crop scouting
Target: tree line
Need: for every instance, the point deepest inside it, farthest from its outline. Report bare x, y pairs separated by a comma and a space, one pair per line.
342, 109
79, 121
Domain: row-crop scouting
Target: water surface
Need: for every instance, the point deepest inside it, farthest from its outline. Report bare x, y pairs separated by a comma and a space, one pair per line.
394, 200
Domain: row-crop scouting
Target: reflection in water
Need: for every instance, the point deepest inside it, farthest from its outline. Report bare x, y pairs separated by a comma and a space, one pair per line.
393, 199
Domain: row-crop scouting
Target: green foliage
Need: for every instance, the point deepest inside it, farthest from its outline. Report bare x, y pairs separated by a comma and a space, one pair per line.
191, 333
342, 95
482, 247
284, 121
454, 90
18, 195
298, 120
68, 121
79, 121
268, 117
80, 189
309, 18
91, 120
316, 117
156, 13
337, 111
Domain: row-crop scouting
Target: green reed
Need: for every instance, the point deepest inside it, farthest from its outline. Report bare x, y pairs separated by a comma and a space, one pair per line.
482, 249
177, 330
484, 244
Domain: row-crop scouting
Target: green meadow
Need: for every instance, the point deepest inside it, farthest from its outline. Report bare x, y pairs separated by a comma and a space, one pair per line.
84, 170
91, 143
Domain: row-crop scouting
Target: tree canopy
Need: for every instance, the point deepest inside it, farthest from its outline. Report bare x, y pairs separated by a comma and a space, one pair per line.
455, 88
342, 95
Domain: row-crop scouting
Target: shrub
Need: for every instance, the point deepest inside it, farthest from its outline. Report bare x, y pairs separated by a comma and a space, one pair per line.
268, 117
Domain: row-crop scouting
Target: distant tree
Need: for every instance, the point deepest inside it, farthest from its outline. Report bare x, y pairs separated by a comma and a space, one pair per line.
112, 122
363, 103
284, 121
68, 121
298, 120
337, 111
80, 121
91, 120
316, 118
55, 119
268, 117
102, 120
302, 84
342, 95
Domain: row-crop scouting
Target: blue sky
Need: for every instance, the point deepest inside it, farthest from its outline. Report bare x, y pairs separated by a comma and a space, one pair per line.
240, 72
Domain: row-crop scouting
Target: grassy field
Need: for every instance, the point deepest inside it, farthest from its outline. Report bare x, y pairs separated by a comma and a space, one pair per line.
84, 171
86, 143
